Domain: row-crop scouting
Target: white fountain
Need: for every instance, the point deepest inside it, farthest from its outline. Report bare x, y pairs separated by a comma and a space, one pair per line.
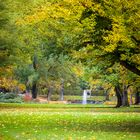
84, 97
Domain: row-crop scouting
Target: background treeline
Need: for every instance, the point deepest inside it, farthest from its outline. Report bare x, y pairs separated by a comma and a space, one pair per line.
48, 44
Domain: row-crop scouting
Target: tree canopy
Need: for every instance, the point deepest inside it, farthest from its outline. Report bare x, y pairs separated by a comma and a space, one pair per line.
102, 36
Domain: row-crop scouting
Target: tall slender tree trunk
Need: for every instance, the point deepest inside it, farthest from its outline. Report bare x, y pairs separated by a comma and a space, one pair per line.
119, 96
50, 90
137, 98
34, 85
49, 93
62, 90
125, 101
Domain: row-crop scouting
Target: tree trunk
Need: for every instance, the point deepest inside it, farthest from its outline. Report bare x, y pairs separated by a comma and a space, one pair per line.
130, 67
62, 91
131, 99
34, 91
137, 98
119, 96
49, 93
34, 85
125, 97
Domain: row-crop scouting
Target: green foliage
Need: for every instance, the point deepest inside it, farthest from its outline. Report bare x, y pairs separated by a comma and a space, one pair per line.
55, 69
3, 34
23, 72
8, 40
84, 85
101, 34
1, 95
15, 100
55, 98
113, 40
10, 98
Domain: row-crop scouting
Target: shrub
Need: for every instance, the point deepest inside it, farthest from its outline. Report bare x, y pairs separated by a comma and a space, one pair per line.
27, 98
9, 96
1, 95
54, 97
15, 100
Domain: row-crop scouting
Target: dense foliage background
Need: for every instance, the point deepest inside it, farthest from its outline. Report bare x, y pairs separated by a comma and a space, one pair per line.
47, 45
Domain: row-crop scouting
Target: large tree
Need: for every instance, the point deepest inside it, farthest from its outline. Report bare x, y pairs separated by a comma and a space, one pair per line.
115, 36
7, 39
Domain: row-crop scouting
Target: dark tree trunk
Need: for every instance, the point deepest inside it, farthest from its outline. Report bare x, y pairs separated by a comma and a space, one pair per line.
34, 91
137, 98
34, 85
119, 96
62, 91
125, 101
130, 67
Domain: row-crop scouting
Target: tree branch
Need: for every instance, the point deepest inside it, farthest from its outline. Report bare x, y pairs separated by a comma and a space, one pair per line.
130, 67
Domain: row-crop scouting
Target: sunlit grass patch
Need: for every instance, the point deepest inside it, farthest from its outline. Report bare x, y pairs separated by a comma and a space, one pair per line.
67, 107
41, 124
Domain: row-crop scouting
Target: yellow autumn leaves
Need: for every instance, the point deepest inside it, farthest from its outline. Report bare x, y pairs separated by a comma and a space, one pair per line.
11, 84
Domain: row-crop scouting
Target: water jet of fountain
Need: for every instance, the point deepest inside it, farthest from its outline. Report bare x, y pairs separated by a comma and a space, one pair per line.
84, 97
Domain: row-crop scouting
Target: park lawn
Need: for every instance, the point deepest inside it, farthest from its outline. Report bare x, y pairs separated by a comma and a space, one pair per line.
68, 122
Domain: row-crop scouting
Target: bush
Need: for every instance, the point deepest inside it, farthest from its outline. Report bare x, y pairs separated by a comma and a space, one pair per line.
27, 98
15, 100
10, 96
7, 95
54, 97
1, 95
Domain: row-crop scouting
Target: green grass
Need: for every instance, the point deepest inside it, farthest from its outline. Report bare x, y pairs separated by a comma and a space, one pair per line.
68, 122
95, 98
74, 97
